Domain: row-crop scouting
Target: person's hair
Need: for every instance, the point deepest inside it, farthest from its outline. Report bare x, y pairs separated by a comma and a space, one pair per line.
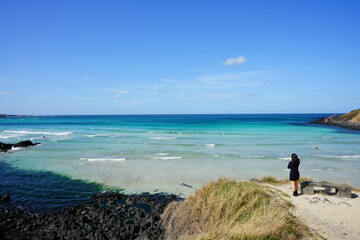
295, 159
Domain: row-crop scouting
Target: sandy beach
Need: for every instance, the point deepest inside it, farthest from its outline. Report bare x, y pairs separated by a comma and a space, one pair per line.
330, 216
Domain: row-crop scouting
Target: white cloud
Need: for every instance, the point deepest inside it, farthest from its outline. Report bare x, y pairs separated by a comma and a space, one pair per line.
40, 98
5, 93
155, 88
119, 93
237, 60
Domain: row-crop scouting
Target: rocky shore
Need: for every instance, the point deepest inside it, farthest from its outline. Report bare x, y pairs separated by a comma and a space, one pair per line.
108, 215
349, 120
4, 147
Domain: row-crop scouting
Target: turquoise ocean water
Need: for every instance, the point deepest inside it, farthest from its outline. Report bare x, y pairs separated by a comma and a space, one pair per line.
157, 153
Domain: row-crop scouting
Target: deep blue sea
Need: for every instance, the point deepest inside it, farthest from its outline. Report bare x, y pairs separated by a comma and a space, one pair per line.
82, 155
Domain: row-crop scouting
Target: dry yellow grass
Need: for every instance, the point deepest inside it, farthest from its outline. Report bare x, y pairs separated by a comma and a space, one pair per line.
354, 115
227, 209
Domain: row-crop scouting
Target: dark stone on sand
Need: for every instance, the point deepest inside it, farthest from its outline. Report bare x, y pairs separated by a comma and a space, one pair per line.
107, 215
186, 185
4, 147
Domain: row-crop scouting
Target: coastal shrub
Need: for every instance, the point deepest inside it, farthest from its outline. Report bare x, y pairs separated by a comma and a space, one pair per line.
227, 209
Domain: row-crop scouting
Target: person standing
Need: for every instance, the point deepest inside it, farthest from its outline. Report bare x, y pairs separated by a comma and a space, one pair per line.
294, 173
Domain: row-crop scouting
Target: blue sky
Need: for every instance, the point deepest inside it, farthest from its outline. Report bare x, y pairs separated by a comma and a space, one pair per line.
143, 57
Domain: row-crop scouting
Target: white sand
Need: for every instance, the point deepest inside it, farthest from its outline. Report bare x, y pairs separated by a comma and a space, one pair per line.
328, 215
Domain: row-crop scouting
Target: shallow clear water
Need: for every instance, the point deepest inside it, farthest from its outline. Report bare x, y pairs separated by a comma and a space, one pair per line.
160, 152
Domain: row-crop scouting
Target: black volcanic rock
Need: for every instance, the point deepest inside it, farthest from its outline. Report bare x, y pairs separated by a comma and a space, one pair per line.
4, 147
5, 198
105, 216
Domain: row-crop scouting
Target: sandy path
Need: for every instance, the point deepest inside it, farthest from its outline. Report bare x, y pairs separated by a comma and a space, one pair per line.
330, 216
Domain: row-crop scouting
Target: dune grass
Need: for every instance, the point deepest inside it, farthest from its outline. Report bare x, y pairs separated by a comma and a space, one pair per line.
227, 209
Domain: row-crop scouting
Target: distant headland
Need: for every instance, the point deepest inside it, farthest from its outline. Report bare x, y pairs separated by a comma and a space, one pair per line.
12, 115
349, 120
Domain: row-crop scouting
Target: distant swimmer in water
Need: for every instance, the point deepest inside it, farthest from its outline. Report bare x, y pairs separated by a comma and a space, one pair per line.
44, 137
316, 147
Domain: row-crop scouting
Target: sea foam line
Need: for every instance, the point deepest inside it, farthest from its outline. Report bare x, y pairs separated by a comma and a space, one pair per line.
42, 133
167, 158
98, 135
252, 156
162, 138
162, 154
103, 159
210, 145
341, 157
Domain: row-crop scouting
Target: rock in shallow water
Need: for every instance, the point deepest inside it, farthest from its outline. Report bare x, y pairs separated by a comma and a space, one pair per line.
5, 198
4, 147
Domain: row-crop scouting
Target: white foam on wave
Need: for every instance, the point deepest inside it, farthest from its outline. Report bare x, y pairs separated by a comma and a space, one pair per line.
341, 156
284, 158
253, 156
162, 154
98, 135
210, 145
103, 159
167, 158
5, 137
15, 148
332, 169
37, 133
162, 138
327, 137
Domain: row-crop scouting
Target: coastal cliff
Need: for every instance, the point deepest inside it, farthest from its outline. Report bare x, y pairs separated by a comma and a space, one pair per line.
349, 120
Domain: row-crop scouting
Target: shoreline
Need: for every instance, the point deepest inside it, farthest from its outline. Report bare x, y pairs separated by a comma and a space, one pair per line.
138, 216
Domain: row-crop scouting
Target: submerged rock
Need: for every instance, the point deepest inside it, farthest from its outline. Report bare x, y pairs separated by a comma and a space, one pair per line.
5, 198
4, 147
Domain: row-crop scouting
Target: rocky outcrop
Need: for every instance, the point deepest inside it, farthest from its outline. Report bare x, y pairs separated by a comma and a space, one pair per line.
350, 120
4, 147
106, 216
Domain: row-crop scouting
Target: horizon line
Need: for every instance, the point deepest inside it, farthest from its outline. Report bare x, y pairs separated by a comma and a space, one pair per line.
146, 114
